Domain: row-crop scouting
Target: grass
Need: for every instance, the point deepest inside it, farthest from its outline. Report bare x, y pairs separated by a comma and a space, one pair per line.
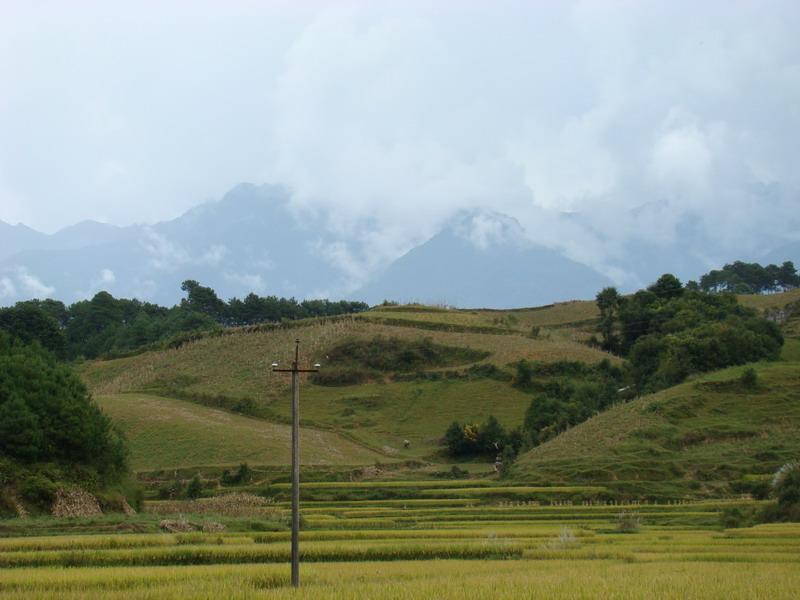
704, 437
633, 451
167, 433
232, 372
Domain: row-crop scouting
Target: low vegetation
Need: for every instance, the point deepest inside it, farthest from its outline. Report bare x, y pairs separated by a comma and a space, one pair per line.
354, 360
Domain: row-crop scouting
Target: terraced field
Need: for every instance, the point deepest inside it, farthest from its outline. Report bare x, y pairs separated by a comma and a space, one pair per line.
232, 371
451, 547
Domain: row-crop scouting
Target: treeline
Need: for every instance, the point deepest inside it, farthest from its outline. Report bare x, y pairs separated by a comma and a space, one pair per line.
748, 278
106, 325
668, 332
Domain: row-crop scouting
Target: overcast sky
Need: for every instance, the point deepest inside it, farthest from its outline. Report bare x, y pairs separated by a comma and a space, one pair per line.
390, 117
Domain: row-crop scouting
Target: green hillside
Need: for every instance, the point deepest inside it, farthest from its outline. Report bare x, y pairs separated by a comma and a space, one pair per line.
232, 371
709, 436
165, 433
725, 435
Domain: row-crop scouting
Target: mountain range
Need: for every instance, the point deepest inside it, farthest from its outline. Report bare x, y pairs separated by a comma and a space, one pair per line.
251, 241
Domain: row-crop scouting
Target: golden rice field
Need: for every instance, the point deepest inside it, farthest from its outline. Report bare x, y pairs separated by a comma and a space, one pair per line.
429, 549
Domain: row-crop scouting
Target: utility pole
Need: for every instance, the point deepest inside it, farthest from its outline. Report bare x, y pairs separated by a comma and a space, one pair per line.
295, 371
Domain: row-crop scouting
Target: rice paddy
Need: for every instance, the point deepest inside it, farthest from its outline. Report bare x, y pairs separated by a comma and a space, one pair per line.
446, 548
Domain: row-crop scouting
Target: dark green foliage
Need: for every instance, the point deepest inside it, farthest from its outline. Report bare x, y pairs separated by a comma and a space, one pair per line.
46, 414
241, 476
29, 322
786, 485
195, 488
608, 301
737, 516
749, 378
487, 440
786, 491
357, 360
750, 278
344, 375
568, 393
669, 332
108, 326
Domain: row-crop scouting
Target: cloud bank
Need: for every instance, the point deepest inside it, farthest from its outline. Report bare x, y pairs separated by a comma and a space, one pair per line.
593, 124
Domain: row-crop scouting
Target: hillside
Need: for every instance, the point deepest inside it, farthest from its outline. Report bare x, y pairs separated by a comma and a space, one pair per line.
232, 371
382, 410
711, 435
167, 433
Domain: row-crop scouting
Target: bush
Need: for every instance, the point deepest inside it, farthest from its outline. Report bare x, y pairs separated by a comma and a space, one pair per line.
749, 378
242, 475
734, 517
786, 485
38, 490
195, 488
386, 355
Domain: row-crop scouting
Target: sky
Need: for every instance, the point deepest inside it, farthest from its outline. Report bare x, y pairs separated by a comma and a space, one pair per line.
591, 122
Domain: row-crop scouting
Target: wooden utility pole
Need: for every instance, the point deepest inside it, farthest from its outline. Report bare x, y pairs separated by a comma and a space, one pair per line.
295, 371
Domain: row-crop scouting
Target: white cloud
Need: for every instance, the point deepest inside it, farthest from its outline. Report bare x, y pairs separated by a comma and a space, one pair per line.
387, 119
107, 276
166, 255
7, 288
251, 281
32, 286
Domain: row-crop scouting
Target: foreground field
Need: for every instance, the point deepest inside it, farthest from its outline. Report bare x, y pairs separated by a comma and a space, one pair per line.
556, 552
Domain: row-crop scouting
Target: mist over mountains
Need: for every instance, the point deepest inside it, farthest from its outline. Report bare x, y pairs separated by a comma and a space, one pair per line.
252, 240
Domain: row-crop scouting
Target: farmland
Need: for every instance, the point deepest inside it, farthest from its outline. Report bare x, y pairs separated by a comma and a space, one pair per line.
232, 372
456, 547
653, 498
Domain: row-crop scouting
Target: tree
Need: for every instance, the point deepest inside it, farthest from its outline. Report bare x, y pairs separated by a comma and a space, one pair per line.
195, 488
786, 490
454, 439
608, 301
20, 432
491, 437
28, 322
667, 286
203, 299
47, 415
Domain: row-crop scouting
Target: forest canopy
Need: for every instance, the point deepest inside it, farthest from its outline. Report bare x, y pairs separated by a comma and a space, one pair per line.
105, 325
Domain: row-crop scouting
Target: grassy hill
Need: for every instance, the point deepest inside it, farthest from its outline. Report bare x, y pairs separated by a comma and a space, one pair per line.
711, 435
232, 371
633, 447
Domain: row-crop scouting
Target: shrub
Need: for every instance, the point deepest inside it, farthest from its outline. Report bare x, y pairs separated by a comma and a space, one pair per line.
38, 490
749, 378
195, 488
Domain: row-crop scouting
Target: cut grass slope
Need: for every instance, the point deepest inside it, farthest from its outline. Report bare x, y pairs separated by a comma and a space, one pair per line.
232, 371
167, 433
708, 436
